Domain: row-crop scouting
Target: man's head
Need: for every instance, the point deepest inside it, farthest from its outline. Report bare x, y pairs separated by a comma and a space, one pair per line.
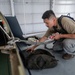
49, 18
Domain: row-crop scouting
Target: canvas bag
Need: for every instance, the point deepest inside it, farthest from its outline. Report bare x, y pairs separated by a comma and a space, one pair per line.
39, 59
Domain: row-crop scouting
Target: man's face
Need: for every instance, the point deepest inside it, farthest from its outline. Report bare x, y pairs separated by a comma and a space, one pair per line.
49, 22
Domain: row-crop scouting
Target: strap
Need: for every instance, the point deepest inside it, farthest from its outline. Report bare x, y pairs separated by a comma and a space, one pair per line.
60, 18
59, 21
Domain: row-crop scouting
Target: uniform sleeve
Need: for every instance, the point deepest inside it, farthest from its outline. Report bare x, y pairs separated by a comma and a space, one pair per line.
48, 32
68, 25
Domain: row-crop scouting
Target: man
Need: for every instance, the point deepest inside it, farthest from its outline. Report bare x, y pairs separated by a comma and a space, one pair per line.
65, 38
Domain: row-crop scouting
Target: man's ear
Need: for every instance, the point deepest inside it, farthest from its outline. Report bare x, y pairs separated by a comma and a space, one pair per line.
54, 20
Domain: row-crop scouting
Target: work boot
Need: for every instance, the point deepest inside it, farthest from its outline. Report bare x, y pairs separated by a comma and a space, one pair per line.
67, 56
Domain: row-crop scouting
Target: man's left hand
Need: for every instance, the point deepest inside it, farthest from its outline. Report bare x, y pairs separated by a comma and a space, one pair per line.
57, 36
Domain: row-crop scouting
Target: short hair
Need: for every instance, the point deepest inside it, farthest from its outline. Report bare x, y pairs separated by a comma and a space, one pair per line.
48, 14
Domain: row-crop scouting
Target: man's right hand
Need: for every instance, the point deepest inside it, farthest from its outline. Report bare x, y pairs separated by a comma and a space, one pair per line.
31, 49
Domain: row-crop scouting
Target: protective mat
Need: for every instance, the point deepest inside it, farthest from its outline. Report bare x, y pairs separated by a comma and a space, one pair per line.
4, 64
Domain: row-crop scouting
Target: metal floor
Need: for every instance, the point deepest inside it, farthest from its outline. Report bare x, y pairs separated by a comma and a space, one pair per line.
64, 67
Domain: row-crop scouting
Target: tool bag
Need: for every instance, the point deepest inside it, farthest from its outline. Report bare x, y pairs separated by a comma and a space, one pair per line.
39, 59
